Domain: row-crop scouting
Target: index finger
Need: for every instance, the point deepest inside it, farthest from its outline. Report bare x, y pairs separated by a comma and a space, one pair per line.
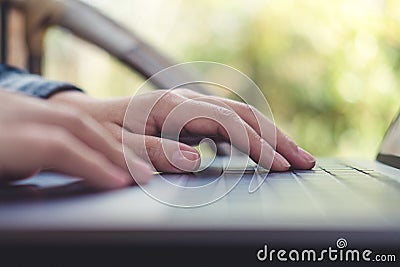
297, 156
203, 118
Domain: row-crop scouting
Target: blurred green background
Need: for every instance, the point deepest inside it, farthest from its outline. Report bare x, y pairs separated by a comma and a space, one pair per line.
329, 69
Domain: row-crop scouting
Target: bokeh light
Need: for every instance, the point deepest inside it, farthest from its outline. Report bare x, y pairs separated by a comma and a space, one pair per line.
330, 69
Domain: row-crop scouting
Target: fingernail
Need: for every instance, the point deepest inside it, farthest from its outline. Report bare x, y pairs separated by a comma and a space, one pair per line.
307, 156
282, 163
190, 155
185, 160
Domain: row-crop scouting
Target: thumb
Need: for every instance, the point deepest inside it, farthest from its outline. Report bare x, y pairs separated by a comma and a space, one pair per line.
164, 154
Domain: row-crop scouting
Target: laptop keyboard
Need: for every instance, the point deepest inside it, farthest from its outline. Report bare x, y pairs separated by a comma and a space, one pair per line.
330, 182
333, 192
354, 177
334, 189
327, 169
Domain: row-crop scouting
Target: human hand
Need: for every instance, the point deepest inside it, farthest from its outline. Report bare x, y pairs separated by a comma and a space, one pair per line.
36, 135
235, 115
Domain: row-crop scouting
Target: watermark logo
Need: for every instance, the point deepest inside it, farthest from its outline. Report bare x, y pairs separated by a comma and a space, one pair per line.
339, 253
341, 243
179, 107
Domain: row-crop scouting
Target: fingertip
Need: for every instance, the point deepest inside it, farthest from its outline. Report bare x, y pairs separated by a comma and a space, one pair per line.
280, 163
306, 156
306, 161
310, 164
120, 178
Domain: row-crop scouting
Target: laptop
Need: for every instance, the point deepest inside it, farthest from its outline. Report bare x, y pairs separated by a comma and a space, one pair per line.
341, 204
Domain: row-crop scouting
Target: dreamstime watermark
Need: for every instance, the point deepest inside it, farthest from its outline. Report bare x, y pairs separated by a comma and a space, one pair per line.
180, 108
339, 253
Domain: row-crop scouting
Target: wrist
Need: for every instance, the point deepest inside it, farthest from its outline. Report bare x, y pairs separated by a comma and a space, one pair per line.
68, 97
103, 110
74, 99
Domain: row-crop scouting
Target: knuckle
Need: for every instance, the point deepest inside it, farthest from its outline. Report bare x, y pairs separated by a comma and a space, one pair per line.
166, 101
171, 96
224, 114
225, 118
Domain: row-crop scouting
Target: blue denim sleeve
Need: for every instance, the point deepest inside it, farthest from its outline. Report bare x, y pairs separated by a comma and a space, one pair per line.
16, 80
